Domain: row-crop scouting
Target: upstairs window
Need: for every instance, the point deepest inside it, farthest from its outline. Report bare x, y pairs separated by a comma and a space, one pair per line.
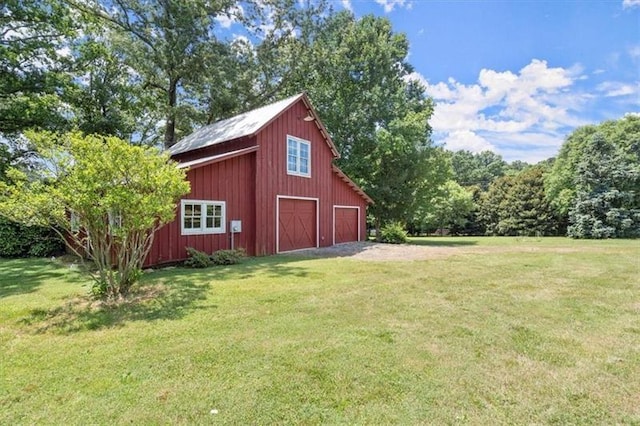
202, 217
298, 157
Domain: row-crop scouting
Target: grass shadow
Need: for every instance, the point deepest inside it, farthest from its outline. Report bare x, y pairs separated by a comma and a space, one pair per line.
165, 294
23, 276
441, 242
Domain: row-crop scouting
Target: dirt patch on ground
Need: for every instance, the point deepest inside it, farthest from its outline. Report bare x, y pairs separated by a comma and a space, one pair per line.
383, 252
395, 252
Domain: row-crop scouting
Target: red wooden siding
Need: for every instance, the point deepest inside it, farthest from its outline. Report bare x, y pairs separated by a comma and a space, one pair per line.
344, 195
279, 212
272, 179
296, 224
231, 181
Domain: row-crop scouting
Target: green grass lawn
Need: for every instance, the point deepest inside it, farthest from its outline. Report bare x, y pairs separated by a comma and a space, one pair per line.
515, 331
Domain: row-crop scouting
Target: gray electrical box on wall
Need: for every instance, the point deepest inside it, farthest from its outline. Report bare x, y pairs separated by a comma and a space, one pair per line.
236, 226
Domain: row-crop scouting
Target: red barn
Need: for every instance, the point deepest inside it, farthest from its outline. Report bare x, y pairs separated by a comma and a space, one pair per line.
264, 181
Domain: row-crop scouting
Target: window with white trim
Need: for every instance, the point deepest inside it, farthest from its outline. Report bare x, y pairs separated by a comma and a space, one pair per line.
298, 157
202, 217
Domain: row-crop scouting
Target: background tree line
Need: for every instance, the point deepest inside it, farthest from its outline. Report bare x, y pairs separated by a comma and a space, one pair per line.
590, 190
150, 72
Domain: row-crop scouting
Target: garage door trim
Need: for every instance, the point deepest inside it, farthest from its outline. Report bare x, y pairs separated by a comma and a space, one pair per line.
278, 198
334, 220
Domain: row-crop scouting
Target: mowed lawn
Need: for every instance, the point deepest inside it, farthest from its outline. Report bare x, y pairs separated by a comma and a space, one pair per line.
505, 331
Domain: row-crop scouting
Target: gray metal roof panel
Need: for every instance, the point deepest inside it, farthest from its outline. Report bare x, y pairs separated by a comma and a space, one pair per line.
245, 124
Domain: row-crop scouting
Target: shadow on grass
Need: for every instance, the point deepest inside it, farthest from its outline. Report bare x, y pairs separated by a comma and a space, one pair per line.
441, 242
23, 276
166, 294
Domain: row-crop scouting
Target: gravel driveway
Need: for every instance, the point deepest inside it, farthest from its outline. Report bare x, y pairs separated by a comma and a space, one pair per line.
381, 252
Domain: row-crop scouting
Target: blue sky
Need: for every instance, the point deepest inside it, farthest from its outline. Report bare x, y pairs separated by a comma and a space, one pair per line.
517, 77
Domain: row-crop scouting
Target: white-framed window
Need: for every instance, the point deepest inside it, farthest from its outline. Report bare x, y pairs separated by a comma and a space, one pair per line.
202, 217
298, 157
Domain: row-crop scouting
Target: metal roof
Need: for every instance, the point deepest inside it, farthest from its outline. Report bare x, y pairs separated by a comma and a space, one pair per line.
200, 162
245, 124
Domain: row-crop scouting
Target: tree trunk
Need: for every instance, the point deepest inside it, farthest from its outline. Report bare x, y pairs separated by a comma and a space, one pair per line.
170, 126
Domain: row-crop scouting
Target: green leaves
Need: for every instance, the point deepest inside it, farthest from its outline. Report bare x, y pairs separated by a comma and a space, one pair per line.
33, 64
447, 209
560, 186
607, 198
516, 205
118, 193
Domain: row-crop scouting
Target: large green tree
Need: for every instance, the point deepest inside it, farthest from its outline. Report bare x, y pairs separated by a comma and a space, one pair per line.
169, 44
516, 205
179, 54
108, 98
405, 170
607, 193
623, 134
449, 208
356, 73
34, 59
479, 169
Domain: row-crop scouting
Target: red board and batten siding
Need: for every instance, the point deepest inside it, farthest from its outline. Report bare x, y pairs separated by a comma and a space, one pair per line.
345, 196
272, 179
252, 186
231, 181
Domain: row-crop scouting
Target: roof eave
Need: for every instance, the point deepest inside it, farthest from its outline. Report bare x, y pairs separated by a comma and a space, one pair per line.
352, 184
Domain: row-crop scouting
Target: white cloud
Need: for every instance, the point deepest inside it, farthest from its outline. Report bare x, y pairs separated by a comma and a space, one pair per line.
525, 113
417, 77
389, 5
626, 4
347, 5
230, 18
617, 88
466, 140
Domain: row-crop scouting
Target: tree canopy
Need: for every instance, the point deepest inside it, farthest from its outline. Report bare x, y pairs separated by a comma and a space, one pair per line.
607, 192
150, 71
105, 196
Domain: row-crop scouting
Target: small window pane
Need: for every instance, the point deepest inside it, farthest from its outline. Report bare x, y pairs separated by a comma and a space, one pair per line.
218, 222
304, 166
304, 150
210, 208
209, 222
218, 210
292, 164
196, 209
196, 222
